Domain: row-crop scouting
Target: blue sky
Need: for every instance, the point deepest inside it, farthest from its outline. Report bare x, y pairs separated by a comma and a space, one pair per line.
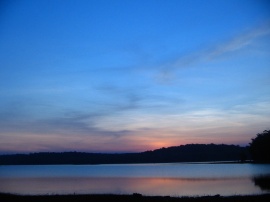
125, 76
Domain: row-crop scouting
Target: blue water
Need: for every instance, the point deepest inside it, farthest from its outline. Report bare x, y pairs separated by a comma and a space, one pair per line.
149, 179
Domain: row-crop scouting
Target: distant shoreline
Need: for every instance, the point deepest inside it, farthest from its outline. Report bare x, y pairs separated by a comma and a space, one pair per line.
192, 153
207, 162
133, 197
202, 162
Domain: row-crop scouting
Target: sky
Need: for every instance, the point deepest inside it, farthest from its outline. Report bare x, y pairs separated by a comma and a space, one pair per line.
132, 75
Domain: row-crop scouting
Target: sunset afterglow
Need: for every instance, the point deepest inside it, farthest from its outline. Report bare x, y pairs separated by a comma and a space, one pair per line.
130, 76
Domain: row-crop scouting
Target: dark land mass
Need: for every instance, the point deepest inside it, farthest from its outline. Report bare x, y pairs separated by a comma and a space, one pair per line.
130, 198
183, 153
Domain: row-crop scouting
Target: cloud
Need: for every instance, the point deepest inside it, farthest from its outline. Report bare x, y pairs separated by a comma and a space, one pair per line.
71, 131
135, 132
238, 42
241, 41
139, 98
122, 99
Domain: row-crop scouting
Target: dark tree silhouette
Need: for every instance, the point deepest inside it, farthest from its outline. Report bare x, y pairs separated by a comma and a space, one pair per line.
183, 153
263, 182
260, 147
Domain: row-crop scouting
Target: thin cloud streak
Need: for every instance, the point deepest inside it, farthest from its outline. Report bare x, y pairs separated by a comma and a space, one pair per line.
239, 42
234, 44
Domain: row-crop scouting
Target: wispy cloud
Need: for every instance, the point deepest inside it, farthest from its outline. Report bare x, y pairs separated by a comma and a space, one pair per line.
134, 132
236, 43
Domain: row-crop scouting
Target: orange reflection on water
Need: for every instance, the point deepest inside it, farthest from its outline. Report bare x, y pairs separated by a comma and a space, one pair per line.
145, 186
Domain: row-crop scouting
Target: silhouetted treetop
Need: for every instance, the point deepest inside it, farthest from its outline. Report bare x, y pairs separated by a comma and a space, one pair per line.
260, 147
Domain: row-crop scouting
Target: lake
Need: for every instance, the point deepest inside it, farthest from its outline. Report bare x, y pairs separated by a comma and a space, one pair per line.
174, 179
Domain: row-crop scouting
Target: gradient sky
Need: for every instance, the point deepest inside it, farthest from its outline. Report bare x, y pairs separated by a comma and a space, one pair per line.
132, 75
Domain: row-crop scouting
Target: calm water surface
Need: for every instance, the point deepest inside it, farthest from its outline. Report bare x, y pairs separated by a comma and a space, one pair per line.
175, 179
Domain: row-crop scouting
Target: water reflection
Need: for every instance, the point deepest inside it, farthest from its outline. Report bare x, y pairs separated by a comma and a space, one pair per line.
147, 179
146, 186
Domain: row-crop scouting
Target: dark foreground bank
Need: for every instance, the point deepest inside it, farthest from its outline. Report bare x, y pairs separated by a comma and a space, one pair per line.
130, 198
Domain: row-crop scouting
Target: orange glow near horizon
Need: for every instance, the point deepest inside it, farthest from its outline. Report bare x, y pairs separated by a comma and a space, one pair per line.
144, 141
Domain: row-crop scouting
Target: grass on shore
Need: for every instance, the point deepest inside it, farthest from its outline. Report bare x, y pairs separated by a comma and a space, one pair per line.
131, 198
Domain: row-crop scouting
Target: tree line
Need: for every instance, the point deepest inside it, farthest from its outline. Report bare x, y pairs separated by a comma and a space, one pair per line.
258, 150
184, 153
